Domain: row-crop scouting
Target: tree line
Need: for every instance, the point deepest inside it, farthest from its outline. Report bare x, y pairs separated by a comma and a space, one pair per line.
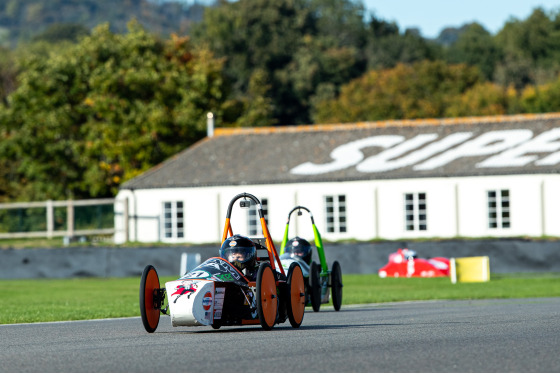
83, 110
27, 20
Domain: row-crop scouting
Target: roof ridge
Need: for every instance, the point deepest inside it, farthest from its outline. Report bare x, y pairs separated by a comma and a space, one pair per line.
228, 131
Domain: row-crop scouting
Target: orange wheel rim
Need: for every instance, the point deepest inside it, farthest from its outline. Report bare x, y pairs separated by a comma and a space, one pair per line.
152, 283
269, 299
297, 294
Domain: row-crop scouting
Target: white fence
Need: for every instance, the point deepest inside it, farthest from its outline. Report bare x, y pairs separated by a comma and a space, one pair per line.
70, 230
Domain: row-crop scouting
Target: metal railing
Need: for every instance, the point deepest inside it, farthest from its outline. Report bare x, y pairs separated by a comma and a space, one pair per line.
70, 230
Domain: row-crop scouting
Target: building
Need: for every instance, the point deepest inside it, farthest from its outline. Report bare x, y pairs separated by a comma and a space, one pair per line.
438, 178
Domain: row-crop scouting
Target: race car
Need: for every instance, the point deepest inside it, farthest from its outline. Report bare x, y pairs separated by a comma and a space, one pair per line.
405, 263
217, 293
319, 280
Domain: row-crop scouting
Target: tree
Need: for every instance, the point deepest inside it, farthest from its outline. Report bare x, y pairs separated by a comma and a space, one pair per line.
7, 74
475, 46
387, 47
421, 90
16, 16
483, 99
531, 50
62, 31
541, 99
449, 35
7, 162
100, 112
297, 44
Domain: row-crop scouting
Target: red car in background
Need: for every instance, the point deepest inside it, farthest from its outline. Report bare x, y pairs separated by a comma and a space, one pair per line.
405, 263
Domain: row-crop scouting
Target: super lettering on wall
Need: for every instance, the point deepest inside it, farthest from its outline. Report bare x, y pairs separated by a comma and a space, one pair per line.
504, 148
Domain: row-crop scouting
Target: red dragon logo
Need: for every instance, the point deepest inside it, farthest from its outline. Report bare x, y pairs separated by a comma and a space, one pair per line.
184, 289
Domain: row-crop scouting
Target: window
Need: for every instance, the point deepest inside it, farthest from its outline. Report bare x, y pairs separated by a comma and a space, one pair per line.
253, 219
415, 212
498, 209
335, 213
173, 219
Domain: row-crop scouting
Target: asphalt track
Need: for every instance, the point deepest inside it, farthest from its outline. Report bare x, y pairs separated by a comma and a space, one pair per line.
440, 336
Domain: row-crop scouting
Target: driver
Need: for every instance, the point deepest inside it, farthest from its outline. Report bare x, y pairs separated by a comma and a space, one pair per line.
299, 248
409, 254
241, 252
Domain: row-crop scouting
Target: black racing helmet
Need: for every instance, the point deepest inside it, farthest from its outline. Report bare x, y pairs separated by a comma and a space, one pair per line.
299, 247
240, 251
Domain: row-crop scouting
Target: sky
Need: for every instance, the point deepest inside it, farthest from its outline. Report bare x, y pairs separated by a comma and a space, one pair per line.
431, 16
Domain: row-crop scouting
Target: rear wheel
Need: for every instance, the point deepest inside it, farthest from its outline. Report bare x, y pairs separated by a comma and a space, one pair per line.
150, 302
315, 286
336, 285
296, 297
267, 298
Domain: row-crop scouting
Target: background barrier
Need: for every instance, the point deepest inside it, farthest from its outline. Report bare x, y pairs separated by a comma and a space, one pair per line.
506, 256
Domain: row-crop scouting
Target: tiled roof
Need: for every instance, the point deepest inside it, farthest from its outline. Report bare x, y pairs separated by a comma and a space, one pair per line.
297, 154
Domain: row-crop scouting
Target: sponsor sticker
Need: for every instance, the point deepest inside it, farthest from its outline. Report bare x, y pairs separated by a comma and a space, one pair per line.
185, 288
225, 277
207, 301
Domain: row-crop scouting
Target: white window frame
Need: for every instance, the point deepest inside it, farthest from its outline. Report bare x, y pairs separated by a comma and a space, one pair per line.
415, 211
173, 222
254, 227
498, 209
335, 214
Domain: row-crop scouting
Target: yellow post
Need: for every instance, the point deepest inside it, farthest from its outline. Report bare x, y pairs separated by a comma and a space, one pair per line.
470, 269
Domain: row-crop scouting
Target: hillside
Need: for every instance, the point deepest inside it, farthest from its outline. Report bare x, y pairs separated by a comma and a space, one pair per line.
21, 20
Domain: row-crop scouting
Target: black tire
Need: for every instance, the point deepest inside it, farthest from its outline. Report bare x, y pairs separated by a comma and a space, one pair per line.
315, 286
283, 306
296, 295
267, 297
336, 285
150, 305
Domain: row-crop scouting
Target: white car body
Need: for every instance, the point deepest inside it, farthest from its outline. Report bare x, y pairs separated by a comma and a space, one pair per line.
194, 302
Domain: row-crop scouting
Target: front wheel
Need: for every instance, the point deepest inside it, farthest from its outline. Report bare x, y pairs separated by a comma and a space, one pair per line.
336, 285
267, 298
296, 297
150, 302
315, 286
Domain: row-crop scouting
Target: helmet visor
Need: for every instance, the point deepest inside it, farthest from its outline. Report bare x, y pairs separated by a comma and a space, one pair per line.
239, 254
299, 251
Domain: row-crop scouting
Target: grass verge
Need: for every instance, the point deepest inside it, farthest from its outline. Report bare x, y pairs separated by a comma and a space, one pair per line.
43, 300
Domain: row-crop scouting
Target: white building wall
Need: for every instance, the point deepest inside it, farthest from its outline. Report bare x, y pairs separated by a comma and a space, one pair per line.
551, 205
281, 198
360, 214
525, 195
526, 216
146, 214
440, 200
456, 207
472, 208
120, 235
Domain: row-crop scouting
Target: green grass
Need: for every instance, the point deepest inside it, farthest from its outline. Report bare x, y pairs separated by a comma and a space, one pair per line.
359, 289
42, 300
